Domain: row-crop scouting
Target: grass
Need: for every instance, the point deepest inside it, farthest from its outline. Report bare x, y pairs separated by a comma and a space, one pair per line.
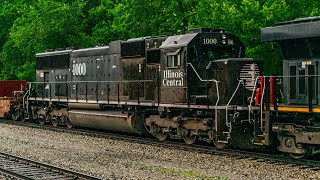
187, 173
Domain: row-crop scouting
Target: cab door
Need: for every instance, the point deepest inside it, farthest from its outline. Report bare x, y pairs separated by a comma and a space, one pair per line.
301, 80
173, 77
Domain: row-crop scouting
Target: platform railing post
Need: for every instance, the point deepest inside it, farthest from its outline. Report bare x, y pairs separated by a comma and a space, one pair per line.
76, 91
58, 84
208, 103
108, 92
275, 96
50, 91
97, 91
310, 93
138, 92
86, 91
67, 88
44, 90
244, 97
118, 92
267, 93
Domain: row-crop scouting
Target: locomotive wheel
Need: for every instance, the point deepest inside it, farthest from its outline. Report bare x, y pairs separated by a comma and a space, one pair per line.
189, 139
55, 122
23, 117
307, 153
219, 145
68, 123
161, 136
42, 121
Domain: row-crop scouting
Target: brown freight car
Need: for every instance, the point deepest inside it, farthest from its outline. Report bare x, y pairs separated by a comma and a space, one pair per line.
11, 94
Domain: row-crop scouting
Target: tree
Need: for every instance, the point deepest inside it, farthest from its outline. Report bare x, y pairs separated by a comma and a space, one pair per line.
43, 25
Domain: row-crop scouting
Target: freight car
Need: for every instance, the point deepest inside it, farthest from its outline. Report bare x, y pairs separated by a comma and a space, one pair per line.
191, 86
11, 98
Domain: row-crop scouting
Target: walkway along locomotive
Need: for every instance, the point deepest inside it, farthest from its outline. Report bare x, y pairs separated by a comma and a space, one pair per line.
195, 86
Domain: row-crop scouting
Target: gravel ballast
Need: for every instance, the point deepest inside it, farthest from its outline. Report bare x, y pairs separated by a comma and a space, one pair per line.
115, 159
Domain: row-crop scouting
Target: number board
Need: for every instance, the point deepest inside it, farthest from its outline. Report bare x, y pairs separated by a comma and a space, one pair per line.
209, 41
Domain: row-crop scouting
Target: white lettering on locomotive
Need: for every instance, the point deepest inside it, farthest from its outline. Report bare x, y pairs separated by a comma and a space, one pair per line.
79, 69
172, 79
210, 41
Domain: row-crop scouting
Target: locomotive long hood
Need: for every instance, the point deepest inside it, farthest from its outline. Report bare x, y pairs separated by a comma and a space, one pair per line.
299, 28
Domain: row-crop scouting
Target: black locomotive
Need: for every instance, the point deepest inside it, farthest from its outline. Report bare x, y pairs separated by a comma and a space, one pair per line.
189, 86
195, 86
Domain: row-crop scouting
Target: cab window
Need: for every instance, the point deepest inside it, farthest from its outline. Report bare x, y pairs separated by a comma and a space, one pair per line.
173, 59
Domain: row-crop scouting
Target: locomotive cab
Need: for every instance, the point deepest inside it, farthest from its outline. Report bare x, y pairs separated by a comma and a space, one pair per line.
192, 64
205, 71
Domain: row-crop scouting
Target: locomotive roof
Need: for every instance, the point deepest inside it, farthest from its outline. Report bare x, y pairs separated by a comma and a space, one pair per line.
298, 28
96, 51
178, 41
54, 53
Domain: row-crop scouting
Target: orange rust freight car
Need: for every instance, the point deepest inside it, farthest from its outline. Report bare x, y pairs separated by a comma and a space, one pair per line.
11, 93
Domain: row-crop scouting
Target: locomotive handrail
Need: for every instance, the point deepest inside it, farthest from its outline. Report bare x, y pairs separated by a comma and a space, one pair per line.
218, 93
292, 76
261, 103
252, 96
24, 96
208, 80
212, 80
64, 82
76, 83
227, 106
26, 102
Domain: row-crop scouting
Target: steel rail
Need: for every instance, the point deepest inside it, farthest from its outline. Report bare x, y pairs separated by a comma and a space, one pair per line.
21, 168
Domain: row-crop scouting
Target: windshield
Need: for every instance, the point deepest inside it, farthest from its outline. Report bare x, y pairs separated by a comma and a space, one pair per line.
220, 52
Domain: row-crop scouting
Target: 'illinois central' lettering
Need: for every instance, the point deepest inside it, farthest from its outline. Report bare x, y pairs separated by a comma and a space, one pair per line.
172, 78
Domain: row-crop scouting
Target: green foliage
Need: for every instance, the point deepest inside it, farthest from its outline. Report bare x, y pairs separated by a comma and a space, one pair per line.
42, 25
31, 26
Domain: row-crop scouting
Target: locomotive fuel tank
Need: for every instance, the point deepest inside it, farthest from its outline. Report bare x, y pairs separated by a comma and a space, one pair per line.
107, 120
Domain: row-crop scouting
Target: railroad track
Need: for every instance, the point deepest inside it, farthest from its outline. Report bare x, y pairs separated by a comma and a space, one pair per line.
15, 167
240, 154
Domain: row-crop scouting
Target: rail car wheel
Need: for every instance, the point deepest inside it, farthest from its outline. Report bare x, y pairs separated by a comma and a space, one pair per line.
161, 136
55, 121
307, 153
189, 139
15, 116
219, 145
